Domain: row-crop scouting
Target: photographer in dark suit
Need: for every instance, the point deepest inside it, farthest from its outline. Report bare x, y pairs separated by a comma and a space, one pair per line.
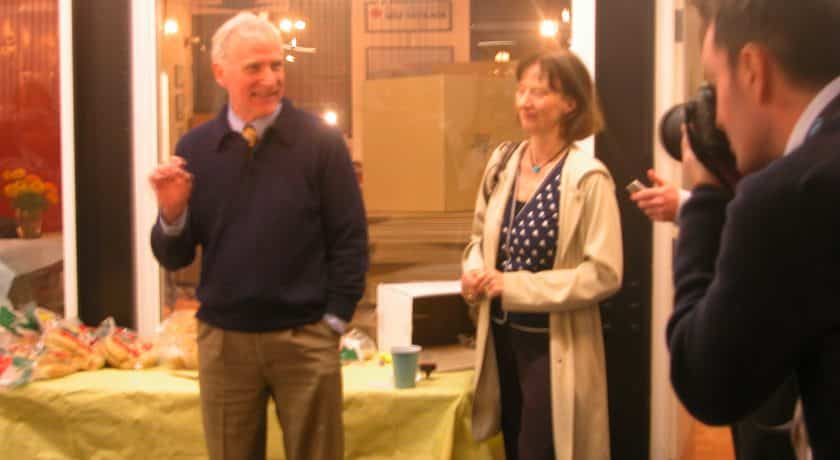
756, 280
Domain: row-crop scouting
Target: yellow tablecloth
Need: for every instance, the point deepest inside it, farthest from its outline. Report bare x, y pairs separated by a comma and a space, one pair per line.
153, 414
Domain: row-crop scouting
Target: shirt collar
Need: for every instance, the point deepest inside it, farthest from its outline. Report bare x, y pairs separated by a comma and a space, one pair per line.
803, 127
260, 124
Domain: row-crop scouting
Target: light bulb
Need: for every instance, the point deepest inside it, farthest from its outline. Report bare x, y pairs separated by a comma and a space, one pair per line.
331, 117
549, 28
286, 25
502, 56
170, 26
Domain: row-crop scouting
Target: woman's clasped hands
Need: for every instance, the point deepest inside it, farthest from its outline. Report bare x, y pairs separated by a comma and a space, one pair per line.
477, 284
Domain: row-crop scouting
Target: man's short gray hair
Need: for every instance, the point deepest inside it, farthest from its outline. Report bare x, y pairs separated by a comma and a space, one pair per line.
246, 26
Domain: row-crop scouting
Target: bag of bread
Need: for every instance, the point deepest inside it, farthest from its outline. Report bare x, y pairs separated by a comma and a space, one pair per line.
18, 347
75, 339
357, 346
14, 370
54, 363
123, 349
177, 340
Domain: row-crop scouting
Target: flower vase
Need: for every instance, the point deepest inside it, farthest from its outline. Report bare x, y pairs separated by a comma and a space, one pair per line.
29, 222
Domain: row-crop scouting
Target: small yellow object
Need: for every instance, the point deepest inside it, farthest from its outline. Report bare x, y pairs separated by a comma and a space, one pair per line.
383, 358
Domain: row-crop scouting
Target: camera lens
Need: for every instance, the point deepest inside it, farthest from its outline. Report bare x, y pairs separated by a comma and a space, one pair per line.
710, 144
670, 131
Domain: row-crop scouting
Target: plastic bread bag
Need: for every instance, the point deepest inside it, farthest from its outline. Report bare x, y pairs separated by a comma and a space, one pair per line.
177, 340
54, 363
41, 318
123, 349
17, 349
73, 341
356, 345
14, 370
15, 337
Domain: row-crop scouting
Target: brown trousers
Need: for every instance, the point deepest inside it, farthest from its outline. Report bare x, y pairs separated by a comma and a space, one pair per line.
298, 368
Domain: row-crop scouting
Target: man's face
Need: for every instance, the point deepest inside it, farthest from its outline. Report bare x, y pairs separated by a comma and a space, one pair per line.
739, 110
253, 75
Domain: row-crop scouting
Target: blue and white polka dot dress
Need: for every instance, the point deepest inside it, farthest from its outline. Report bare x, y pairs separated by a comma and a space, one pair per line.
530, 242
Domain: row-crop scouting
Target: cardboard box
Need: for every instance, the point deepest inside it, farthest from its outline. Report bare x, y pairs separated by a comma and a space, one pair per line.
423, 313
427, 139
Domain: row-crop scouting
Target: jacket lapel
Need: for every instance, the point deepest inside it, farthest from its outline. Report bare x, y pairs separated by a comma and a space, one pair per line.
570, 204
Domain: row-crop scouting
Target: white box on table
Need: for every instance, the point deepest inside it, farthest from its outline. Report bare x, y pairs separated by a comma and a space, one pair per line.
423, 313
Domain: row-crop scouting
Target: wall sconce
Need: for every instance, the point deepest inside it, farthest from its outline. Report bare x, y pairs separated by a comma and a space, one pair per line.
566, 16
286, 25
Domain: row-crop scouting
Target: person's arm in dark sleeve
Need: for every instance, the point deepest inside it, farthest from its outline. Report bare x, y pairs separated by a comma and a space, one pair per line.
345, 229
173, 251
734, 333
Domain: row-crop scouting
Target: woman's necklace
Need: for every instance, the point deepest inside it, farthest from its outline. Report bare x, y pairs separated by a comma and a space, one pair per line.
537, 167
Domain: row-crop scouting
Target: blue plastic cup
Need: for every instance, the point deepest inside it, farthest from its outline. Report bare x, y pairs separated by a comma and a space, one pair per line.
405, 365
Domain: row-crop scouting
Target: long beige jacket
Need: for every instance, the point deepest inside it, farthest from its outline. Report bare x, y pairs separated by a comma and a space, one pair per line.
587, 268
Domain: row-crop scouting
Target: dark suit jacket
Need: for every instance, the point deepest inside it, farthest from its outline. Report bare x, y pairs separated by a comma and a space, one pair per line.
758, 291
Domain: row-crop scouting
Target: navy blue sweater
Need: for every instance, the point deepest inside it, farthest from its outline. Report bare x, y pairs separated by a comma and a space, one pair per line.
283, 231
758, 292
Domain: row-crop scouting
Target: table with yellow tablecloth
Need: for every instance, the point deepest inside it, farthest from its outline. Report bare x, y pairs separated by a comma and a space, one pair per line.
155, 414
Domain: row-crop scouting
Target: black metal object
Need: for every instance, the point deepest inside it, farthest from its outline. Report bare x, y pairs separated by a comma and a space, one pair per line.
102, 81
624, 78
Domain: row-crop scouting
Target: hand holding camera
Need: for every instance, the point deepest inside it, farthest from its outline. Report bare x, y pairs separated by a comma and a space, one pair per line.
689, 134
694, 172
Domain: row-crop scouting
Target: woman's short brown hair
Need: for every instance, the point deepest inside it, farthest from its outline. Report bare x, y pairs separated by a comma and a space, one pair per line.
567, 75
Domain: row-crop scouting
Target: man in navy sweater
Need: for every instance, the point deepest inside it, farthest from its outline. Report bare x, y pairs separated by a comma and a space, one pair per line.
758, 280
269, 194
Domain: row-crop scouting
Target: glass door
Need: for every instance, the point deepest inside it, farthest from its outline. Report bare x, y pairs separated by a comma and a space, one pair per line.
428, 81
37, 209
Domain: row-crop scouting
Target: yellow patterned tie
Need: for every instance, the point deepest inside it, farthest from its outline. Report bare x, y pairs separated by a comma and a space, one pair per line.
250, 135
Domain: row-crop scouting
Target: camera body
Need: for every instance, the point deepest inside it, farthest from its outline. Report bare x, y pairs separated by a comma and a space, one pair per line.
710, 144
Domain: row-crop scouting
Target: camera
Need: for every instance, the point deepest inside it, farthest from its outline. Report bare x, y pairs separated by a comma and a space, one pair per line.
710, 144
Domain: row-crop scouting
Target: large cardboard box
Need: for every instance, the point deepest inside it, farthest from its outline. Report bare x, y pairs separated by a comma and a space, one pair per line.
427, 139
423, 313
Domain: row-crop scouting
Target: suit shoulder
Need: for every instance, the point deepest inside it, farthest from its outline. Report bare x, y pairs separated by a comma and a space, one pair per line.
813, 168
822, 157
200, 138
317, 132
311, 123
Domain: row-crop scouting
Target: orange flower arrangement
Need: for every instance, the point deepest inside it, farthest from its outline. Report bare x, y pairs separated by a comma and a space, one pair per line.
29, 192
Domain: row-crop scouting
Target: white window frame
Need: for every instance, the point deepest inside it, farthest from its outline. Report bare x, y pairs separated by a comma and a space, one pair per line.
145, 106
68, 158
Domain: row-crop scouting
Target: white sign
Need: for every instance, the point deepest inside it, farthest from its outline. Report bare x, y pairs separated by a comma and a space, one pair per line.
408, 15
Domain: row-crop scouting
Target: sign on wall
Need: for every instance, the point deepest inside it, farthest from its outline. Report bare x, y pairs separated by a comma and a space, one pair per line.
398, 61
408, 15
